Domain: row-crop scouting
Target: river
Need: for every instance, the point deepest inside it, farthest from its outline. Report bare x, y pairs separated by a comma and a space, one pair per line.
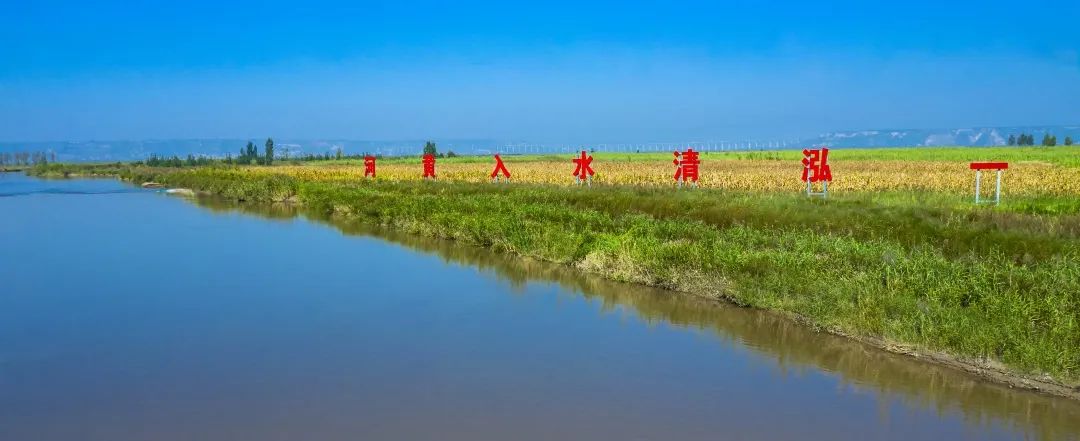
128, 314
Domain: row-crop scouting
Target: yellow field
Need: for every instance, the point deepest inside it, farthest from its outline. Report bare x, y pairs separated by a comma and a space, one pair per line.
1028, 178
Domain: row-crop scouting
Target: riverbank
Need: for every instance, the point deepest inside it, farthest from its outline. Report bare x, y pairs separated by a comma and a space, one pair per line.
993, 292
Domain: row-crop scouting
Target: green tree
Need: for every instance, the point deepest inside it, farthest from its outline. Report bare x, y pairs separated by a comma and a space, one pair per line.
1012, 139
1068, 140
1047, 140
269, 151
429, 148
250, 151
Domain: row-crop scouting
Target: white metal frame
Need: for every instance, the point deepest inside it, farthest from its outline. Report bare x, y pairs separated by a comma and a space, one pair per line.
824, 193
682, 180
997, 187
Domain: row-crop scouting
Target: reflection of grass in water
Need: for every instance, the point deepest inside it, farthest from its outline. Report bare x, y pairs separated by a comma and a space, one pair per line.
979, 283
790, 345
266, 211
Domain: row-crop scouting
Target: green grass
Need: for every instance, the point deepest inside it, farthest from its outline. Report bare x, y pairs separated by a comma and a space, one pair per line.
1068, 156
65, 170
975, 282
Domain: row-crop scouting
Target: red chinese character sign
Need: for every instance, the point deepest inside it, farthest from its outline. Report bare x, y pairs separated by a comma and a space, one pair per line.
686, 167
500, 168
429, 166
816, 169
369, 166
583, 171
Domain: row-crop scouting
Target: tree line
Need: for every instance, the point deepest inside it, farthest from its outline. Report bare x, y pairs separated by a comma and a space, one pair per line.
431, 149
250, 154
175, 161
1048, 140
26, 158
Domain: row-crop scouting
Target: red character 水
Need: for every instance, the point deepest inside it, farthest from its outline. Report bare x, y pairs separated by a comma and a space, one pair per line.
583, 170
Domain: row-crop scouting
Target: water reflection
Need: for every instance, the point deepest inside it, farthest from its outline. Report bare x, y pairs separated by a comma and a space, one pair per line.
792, 347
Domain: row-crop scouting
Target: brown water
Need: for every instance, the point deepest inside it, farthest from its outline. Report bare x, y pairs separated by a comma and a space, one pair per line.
129, 315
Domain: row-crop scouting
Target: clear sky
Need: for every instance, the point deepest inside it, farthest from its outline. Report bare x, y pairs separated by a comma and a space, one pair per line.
553, 71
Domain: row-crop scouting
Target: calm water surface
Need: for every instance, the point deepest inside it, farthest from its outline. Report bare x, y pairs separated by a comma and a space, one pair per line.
126, 314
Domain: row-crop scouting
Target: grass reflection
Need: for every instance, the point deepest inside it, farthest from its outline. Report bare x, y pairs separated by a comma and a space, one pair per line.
793, 347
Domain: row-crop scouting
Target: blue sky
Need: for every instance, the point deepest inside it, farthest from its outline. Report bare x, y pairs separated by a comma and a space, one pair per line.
548, 72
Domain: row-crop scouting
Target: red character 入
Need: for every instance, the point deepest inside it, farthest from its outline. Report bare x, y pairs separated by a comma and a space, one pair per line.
816, 166
583, 172
429, 166
369, 166
686, 166
499, 168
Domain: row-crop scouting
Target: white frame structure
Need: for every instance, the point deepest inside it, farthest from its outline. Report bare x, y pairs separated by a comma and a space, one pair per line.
824, 193
998, 167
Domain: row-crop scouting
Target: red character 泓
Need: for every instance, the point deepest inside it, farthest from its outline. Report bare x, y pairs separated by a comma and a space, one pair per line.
816, 165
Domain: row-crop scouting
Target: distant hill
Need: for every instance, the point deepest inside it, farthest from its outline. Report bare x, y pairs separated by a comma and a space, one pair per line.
982, 136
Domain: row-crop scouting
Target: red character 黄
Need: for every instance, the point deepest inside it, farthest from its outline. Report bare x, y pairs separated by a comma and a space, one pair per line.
369, 166
499, 168
686, 166
816, 166
429, 166
583, 171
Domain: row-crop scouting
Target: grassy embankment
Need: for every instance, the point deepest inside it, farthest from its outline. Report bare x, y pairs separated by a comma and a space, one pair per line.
922, 269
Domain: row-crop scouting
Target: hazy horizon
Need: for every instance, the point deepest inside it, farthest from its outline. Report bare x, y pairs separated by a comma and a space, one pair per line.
1035, 128
562, 72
